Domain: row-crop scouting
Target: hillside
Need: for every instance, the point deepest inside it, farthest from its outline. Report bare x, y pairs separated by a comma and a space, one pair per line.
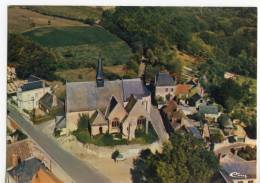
80, 13
20, 20
82, 45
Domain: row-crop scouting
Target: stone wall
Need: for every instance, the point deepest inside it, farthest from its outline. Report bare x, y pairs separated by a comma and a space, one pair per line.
106, 152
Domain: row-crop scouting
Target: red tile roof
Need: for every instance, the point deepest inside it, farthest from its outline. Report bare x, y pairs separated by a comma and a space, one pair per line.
182, 89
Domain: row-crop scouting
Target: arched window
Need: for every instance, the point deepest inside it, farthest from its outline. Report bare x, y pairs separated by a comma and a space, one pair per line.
115, 123
141, 121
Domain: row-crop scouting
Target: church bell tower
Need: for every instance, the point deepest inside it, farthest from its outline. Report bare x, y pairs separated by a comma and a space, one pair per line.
100, 73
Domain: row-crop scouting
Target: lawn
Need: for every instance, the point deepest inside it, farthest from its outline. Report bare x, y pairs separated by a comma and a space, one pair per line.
20, 20
71, 12
83, 44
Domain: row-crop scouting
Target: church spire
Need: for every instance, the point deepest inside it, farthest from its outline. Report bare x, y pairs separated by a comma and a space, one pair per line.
100, 74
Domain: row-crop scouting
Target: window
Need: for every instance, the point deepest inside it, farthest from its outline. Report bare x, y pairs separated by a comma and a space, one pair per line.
172, 89
250, 181
115, 123
166, 89
141, 121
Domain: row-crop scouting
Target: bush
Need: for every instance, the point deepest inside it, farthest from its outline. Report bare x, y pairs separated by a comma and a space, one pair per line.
248, 153
115, 155
90, 21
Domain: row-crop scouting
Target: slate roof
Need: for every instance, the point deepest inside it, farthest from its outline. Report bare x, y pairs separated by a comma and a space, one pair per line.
225, 121
26, 169
32, 85
195, 98
33, 78
232, 163
130, 104
86, 96
48, 101
135, 87
164, 79
208, 109
195, 132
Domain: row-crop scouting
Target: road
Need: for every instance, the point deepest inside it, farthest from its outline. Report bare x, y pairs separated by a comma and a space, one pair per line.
80, 172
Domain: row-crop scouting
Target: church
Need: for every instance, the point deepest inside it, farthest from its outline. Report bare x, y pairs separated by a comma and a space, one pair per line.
118, 106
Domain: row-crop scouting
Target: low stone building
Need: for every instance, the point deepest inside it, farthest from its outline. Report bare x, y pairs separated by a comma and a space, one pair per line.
50, 101
226, 124
118, 106
29, 94
210, 112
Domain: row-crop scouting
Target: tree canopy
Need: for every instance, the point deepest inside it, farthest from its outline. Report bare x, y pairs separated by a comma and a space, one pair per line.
185, 159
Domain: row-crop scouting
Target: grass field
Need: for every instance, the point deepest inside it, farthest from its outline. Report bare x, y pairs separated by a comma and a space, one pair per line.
71, 12
242, 79
20, 20
83, 44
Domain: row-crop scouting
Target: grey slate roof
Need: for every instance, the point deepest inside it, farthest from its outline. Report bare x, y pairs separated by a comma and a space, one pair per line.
225, 121
32, 85
208, 109
86, 96
195, 132
135, 87
164, 79
47, 101
33, 78
26, 169
232, 163
98, 118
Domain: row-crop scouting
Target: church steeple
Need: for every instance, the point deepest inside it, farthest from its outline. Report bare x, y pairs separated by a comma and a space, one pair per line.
100, 74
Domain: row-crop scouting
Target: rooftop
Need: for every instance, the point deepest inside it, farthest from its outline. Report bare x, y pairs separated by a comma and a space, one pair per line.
26, 169
164, 79
182, 89
86, 96
44, 176
233, 164
208, 109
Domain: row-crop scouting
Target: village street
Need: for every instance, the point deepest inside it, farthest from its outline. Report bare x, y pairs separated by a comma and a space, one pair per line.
75, 168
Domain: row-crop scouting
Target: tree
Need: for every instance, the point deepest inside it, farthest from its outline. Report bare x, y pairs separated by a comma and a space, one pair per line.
185, 159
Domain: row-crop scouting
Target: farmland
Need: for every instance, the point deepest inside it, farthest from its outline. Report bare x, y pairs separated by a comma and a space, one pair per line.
70, 12
20, 20
82, 44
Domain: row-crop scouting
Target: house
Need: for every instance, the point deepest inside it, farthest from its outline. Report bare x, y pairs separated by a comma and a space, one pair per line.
196, 100
237, 170
25, 170
29, 94
182, 90
164, 86
49, 101
239, 133
118, 106
229, 75
17, 151
209, 111
226, 124
45, 176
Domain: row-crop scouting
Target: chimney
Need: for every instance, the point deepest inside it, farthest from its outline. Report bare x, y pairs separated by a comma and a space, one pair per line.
14, 160
55, 100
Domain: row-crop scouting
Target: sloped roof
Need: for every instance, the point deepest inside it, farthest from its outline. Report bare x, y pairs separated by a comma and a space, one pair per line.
182, 89
164, 79
134, 87
232, 163
86, 96
47, 100
172, 106
114, 106
21, 149
208, 109
225, 121
32, 85
45, 176
98, 118
33, 78
26, 169
195, 98
131, 103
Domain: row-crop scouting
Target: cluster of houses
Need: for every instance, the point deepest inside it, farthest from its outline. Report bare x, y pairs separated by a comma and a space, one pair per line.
125, 105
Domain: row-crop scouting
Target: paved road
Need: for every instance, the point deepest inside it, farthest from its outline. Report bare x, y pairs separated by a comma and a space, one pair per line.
75, 168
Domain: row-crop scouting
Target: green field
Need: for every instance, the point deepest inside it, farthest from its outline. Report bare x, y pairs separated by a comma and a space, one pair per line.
71, 12
82, 44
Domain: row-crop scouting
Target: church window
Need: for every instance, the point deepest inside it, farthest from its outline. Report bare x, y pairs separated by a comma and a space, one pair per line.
115, 123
